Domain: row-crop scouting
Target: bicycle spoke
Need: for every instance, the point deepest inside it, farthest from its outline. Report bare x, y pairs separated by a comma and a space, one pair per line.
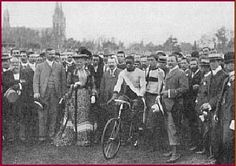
110, 139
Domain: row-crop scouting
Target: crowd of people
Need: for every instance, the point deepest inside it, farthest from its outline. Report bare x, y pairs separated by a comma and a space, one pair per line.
174, 98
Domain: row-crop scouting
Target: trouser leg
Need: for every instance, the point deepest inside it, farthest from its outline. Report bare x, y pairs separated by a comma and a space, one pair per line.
52, 112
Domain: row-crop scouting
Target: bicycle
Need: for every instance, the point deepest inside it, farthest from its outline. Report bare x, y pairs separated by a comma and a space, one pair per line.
111, 137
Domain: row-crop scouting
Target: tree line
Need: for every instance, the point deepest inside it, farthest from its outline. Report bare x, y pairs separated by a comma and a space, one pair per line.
222, 40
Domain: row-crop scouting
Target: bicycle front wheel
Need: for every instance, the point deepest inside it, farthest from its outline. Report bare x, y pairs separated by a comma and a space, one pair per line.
111, 138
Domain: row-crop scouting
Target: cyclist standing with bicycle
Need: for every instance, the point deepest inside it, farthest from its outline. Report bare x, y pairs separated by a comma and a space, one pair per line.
134, 86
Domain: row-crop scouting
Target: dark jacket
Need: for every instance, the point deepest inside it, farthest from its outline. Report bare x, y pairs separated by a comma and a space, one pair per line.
214, 89
202, 96
225, 110
27, 75
8, 80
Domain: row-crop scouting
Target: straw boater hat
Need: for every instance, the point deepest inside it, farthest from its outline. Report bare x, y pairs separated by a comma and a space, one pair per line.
11, 95
215, 56
5, 56
204, 61
162, 59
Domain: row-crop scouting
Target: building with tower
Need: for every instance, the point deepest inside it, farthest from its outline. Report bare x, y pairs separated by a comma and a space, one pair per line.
40, 37
6, 19
59, 26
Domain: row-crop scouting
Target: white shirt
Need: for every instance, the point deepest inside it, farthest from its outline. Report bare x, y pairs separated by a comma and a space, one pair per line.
95, 68
176, 67
32, 66
136, 81
193, 74
112, 72
49, 62
214, 72
17, 76
207, 74
24, 64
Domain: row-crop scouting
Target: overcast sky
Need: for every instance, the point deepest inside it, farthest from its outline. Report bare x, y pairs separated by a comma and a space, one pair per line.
128, 21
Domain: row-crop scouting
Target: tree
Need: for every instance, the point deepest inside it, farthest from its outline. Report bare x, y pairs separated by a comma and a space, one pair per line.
186, 47
170, 44
222, 39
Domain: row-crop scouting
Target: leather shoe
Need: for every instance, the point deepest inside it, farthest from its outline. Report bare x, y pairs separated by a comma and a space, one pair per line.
193, 148
168, 154
201, 151
173, 158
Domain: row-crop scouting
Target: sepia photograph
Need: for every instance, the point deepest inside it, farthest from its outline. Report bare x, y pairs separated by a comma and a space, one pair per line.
118, 82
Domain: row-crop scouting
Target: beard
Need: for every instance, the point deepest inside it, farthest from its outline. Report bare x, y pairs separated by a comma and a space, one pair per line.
194, 69
144, 66
130, 69
170, 66
111, 66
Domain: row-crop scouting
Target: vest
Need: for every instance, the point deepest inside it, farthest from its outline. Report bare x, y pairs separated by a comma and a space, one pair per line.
51, 84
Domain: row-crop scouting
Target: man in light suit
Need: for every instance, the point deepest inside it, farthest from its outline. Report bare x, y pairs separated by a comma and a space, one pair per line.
49, 84
176, 84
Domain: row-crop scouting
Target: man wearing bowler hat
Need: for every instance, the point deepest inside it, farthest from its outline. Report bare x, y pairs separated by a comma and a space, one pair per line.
162, 62
225, 113
49, 84
202, 97
9, 84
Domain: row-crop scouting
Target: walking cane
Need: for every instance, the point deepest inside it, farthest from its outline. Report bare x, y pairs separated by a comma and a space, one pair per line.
76, 132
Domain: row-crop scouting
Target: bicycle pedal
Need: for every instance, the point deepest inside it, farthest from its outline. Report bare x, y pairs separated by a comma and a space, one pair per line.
140, 129
135, 143
112, 139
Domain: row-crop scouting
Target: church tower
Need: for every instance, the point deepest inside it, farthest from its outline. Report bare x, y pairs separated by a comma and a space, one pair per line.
6, 19
59, 26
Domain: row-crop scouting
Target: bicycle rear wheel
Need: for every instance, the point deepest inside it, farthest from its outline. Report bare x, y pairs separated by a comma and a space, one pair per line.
111, 138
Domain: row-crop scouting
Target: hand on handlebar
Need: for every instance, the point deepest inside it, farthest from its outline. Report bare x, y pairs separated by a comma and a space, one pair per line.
113, 98
109, 101
77, 84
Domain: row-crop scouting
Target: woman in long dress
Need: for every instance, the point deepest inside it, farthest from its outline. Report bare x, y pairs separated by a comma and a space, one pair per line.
79, 95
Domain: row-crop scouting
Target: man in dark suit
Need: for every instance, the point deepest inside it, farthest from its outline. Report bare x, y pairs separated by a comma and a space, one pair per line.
202, 97
108, 82
28, 114
11, 80
190, 97
225, 113
97, 111
214, 89
49, 84
176, 84
98, 65
7, 108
